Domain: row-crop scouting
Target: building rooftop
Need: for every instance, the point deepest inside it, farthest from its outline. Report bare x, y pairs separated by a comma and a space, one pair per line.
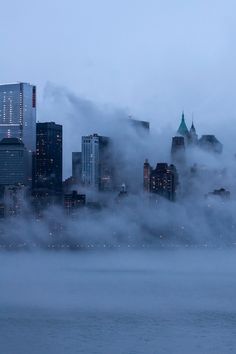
183, 130
15, 83
11, 141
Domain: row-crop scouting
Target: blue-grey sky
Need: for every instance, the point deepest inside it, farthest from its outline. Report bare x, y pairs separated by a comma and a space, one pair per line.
151, 57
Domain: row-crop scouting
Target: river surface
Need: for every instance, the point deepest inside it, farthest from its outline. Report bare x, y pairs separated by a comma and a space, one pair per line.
118, 302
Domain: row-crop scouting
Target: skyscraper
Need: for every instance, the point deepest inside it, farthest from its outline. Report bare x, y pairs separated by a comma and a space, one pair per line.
193, 135
183, 130
73, 201
164, 180
77, 166
210, 143
48, 158
97, 162
14, 162
18, 113
146, 175
178, 150
141, 127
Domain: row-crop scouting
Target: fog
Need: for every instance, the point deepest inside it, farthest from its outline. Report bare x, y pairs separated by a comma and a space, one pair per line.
134, 221
134, 276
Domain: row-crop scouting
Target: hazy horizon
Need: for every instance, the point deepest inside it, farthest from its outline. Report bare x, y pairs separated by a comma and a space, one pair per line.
151, 58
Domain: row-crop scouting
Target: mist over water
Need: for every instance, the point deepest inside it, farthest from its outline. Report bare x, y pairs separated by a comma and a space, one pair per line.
192, 220
118, 302
146, 277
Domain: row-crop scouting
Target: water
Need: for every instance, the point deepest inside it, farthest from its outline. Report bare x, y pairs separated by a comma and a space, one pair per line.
118, 302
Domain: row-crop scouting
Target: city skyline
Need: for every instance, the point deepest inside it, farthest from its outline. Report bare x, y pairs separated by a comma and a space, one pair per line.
117, 177
108, 165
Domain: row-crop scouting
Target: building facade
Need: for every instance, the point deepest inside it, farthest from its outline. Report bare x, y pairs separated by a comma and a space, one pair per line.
77, 166
73, 201
210, 143
14, 162
47, 162
164, 181
178, 150
97, 162
18, 113
146, 176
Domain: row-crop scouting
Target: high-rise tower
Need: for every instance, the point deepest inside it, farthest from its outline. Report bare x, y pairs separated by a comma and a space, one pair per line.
183, 130
48, 158
193, 135
97, 162
164, 181
178, 150
146, 175
14, 162
18, 113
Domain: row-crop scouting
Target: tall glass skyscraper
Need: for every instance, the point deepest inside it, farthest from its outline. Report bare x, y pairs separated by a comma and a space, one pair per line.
47, 163
14, 162
97, 162
18, 113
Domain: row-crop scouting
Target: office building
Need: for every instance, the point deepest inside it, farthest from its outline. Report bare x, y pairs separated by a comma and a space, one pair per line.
97, 162
141, 127
164, 181
77, 166
73, 201
18, 113
48, 158
221, 193
146, 175
14, 162
15, 200
178, 150
210, 143
193, 137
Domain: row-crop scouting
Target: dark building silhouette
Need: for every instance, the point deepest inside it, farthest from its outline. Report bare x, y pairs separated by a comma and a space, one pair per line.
178, 149
141, 127
193, 137
210, 143
14, 162
164, 181
69, 184
15, 200
146, 176
222, 193
48, 158
73, 201
122, 193
77, 166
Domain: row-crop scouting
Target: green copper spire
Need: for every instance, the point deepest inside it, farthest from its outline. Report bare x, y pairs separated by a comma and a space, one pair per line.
183, 130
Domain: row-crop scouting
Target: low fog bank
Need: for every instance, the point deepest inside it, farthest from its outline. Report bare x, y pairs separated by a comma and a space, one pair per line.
194, 219
136, 222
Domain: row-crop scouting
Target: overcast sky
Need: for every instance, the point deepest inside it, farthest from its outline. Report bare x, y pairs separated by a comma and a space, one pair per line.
151, 57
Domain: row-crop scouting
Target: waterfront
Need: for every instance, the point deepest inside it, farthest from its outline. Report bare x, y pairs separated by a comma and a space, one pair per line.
150, 301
